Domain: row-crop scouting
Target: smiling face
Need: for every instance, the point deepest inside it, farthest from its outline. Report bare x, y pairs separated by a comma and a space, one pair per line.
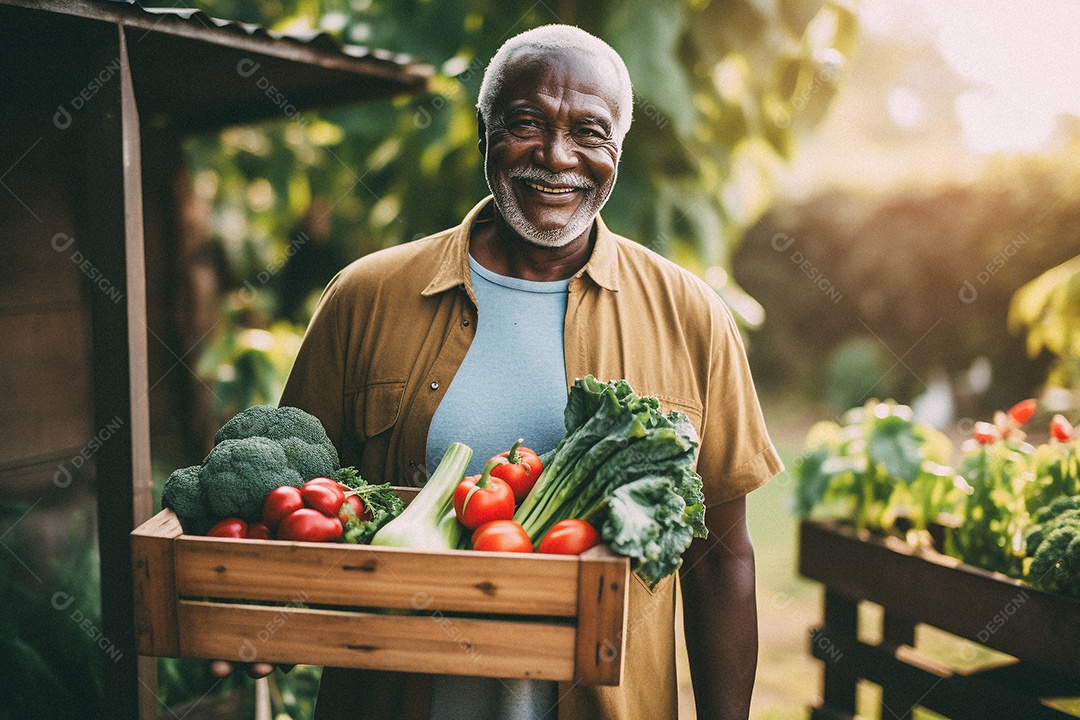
551, 147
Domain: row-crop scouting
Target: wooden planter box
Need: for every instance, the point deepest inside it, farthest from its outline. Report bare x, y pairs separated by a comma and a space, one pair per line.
1040, 629
458, 612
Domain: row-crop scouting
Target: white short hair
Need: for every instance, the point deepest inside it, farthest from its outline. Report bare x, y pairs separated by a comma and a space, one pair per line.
550, 37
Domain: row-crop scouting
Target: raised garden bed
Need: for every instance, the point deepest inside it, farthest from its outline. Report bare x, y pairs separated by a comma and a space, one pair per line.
1040, 630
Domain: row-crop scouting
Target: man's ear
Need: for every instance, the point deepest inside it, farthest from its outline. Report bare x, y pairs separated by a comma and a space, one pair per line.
481, 130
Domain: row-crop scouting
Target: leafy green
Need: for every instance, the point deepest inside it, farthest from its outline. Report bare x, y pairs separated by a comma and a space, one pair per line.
879, 465
651, 524
993, 514
379, 500
627, 468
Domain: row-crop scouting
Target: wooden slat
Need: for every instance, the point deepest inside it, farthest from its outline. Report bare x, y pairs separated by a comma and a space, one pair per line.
320, 573
989, 608
926, 683
432, 642
602, 608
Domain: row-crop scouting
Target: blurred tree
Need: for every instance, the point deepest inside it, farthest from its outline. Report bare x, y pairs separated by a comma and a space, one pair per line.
923, 272
1048, 308
722, 90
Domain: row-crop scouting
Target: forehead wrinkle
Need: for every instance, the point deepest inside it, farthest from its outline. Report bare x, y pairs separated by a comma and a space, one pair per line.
556, 78
591, 108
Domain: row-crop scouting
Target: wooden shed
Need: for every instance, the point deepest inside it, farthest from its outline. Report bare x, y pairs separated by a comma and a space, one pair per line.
97, 97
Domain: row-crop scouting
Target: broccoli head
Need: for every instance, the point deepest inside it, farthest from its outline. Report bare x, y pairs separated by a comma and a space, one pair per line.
1038, 532
1056, 563
1057, 507
307, 448
238, 474
183, 493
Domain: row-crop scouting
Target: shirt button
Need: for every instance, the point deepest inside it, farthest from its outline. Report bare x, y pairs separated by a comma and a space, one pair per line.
434, 384
412, 463
465, 322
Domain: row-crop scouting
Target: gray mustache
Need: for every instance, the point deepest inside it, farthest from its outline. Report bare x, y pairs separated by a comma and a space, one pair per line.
539, 176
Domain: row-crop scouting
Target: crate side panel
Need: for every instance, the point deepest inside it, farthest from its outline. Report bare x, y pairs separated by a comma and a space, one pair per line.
154, 586
602, 608
430, 642
364, 576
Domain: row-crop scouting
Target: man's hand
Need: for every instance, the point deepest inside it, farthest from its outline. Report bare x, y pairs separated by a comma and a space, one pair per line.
720, 614
224, 668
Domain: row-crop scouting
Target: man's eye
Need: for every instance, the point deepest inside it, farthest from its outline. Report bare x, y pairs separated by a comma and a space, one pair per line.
525, 123
590, 136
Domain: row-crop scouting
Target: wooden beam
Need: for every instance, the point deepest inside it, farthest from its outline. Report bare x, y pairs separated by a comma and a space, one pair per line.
111, 231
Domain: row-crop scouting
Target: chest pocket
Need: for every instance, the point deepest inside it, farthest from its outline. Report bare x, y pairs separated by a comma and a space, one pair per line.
378, 407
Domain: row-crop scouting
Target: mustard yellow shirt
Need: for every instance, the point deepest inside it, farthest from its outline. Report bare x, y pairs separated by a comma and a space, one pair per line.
390, 332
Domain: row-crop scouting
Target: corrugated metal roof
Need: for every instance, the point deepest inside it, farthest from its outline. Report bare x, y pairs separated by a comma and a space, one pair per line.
319, 39
192, 71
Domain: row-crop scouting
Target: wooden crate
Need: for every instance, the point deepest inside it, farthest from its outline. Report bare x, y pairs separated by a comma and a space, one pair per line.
1040, 630
507, 615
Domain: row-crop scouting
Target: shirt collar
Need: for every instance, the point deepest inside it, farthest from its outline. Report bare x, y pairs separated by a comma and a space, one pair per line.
454, 264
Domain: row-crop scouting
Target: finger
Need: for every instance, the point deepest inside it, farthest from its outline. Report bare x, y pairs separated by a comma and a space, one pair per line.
221, 668
260, 669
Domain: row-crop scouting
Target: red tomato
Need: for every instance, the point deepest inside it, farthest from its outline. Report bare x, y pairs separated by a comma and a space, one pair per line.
229, 528
357, 506
501, 536
258, 531
309, 524
322, 496
1022, 411
280, 502
569, 537
325, 481
1060, 428
521, 470
482, 498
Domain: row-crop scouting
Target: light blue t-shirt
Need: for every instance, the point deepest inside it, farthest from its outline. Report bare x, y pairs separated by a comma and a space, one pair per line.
511, 384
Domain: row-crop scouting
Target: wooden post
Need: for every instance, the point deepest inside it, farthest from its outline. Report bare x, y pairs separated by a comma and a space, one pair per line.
841, 622
111, 232
896, 631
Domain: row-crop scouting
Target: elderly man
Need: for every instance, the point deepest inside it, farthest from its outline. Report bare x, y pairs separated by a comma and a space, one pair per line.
475, 334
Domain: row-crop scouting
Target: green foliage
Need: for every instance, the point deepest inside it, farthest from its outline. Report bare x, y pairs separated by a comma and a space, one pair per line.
852, 367
993, 515
248, 365
1056, 469
879, 465
1048, 307
928, 266
50, 627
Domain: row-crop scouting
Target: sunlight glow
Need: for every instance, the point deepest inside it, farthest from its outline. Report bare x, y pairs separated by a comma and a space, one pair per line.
1022, 58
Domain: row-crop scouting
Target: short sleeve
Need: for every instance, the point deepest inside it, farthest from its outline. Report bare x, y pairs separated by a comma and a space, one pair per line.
736, 454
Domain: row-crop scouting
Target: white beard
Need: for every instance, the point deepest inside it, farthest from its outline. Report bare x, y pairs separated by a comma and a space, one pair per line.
594, 199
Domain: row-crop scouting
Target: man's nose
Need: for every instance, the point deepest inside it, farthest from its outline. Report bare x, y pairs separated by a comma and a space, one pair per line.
556, 152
